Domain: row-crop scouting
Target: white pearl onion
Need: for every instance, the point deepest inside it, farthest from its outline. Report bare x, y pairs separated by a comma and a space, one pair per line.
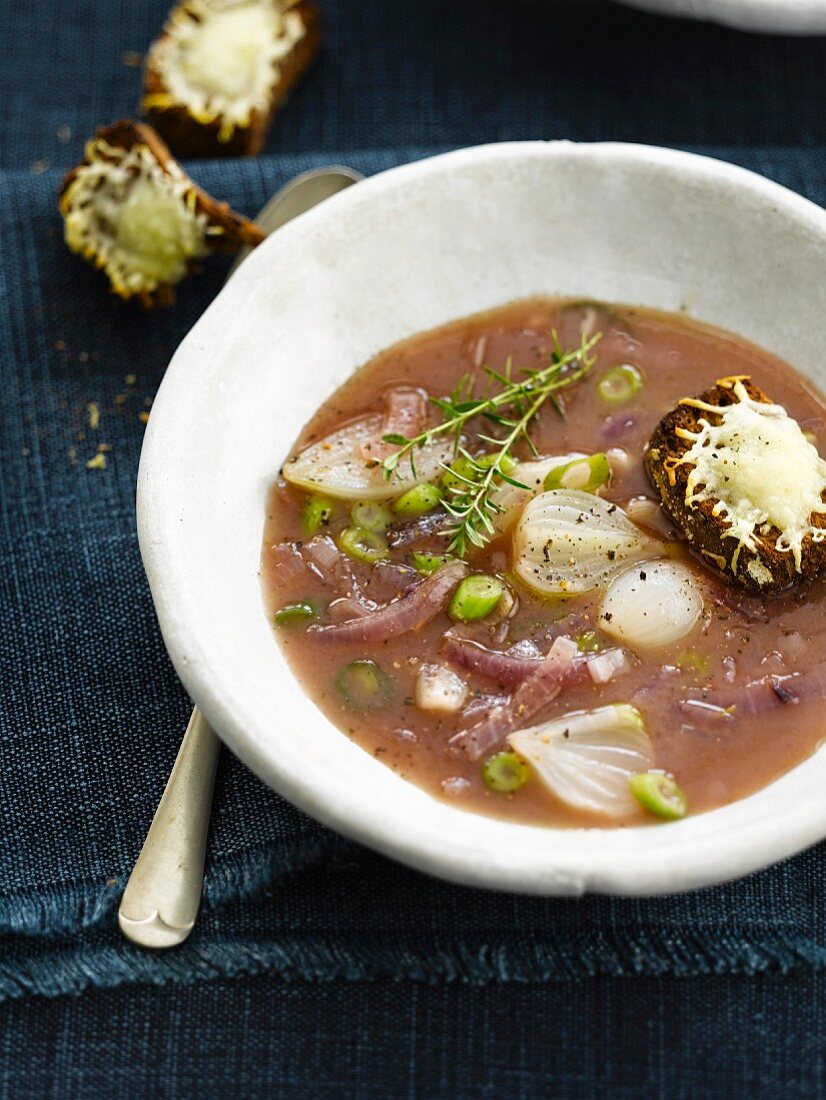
653, 604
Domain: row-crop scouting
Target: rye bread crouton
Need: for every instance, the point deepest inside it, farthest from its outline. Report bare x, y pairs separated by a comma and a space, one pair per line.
131, 210
760, 565
196, 115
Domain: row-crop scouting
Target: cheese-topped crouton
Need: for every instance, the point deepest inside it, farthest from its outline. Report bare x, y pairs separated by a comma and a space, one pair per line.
743, 484
131, 210
222, 68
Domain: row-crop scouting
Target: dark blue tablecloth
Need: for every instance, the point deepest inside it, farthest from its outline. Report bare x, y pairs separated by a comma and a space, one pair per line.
320, 969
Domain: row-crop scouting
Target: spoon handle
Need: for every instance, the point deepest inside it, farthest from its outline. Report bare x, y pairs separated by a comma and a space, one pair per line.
160, 904
161, 900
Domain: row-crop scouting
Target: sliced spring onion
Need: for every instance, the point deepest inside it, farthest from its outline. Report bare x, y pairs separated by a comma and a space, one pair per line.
371, 515
364, 685
587, 474
457, 475
660, 794
588, 642
429, 563
652, 604
418, 500
316, 513
294, 614
510, 499
620, 384
568, 542
463, 469
587, 758
336, 466
475, 598
505, 772
361, 545
506, 463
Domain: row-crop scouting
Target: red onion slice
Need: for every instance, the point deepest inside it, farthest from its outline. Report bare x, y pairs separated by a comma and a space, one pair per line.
758, 696
410, 612
322, 552
406, 415
540, 688
504, 668
286, 562
424, 527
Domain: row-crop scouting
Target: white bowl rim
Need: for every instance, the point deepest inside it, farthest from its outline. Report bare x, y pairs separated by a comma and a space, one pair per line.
678, 857
760, 16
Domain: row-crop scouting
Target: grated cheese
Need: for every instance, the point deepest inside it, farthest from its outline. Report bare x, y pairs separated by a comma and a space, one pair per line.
759, 467
220, 58
133, 219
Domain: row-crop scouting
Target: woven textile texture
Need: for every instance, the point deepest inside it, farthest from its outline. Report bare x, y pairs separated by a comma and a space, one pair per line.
397, 73
422, 988
598, 1040
92, 713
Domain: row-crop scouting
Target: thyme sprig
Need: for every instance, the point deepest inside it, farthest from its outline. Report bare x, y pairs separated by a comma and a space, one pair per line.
472, 502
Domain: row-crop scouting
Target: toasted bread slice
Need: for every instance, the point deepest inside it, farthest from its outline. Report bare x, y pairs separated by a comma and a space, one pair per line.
131, 210
215, 92
744, 486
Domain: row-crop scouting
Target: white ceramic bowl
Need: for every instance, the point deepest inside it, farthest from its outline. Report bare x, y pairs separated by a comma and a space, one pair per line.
400, 253
767, 16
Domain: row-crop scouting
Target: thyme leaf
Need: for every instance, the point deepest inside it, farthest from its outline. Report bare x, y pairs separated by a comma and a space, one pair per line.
471, 502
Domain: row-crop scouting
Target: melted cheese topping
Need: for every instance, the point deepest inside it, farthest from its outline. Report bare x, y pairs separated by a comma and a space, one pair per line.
220, 58
137, 222
763, 473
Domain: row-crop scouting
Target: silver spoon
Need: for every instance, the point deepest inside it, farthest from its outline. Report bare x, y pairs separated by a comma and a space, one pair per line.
160, 904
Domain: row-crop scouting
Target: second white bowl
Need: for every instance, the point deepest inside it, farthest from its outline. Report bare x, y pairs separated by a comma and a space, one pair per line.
768, 16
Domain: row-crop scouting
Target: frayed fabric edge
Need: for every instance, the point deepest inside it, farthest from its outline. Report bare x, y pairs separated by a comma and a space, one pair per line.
70, 971
88, 906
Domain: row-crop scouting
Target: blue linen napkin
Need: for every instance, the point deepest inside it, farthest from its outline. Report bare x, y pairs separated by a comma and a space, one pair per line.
91, 713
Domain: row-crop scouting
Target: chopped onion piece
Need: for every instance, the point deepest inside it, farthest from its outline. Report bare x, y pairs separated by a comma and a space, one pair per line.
323, 552
606, 666
651, 605
336, 465
439, 689
568, 542
586, 758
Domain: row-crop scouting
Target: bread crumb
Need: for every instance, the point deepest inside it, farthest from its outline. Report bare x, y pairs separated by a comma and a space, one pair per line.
97, 463
143, 416
93, 412
131, 379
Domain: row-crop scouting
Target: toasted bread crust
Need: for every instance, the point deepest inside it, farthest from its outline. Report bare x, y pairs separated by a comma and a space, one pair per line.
699, 526
237, 231
191, 138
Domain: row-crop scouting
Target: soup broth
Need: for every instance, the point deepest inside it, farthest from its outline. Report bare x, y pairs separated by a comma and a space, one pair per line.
711, 701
